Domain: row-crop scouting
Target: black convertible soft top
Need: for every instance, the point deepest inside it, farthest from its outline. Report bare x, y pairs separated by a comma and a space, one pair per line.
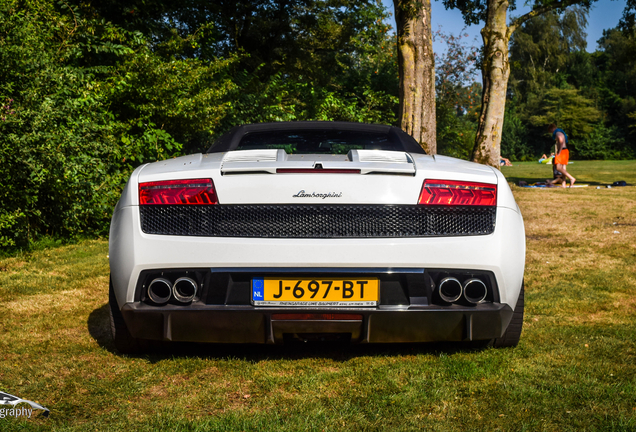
316, 137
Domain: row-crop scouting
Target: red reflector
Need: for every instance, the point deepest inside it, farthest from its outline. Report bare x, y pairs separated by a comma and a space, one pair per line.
317, 316
179, 192
316, 171
446, 192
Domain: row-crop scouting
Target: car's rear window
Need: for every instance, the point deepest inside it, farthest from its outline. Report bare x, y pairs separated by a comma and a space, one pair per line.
318, 141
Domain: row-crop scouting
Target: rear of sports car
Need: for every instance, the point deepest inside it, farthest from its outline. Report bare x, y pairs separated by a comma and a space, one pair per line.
316, 231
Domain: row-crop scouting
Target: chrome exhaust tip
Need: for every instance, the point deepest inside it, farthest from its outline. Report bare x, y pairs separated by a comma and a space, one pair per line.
475, 291
450, 289
160, 290
184, 289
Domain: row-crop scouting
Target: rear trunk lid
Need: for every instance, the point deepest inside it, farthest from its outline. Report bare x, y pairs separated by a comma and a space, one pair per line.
359, 177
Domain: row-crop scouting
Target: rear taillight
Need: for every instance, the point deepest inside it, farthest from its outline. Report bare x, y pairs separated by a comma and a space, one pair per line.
447, 192
178, 192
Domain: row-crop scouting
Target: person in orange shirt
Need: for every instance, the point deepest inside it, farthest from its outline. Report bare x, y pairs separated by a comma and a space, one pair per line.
563, 154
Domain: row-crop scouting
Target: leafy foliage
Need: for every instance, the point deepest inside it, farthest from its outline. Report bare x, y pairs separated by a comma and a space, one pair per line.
456, 69
567, 108
457, 95
295, 59
455, 133
82, 108
541, 50
514, 135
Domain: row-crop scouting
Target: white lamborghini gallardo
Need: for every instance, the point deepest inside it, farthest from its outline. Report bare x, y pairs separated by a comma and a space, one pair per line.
316, 231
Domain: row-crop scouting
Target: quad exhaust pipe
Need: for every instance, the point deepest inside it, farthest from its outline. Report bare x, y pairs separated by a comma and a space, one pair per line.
184, 289
475, 291
450, 289
161, 290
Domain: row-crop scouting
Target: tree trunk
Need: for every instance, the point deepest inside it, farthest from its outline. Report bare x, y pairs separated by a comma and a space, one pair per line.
495, 72
417, 71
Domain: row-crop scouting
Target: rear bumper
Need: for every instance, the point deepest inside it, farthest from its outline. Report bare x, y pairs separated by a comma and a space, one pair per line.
248, 324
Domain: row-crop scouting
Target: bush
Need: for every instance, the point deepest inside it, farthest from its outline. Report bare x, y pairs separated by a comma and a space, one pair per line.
455, 134
83, 103
514, 139
603, 143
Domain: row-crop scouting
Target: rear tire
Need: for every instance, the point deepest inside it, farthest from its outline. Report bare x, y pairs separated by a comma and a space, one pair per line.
124, 341
512, 334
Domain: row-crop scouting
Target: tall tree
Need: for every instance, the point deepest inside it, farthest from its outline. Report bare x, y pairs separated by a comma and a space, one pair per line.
542, 49
416, 62
495, 63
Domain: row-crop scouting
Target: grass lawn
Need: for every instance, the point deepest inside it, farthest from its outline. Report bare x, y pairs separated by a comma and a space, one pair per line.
575, 368
594, 173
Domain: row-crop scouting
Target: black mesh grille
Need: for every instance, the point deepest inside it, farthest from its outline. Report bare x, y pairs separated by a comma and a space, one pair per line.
317, 221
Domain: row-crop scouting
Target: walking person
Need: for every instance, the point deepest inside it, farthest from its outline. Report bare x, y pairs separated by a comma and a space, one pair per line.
562, 153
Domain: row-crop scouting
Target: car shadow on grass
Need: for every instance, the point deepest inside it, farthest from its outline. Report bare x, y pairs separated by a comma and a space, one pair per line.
98, 324
99, 328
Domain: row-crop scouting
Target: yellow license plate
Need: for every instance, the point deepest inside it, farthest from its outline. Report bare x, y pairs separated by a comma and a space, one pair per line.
273, 291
